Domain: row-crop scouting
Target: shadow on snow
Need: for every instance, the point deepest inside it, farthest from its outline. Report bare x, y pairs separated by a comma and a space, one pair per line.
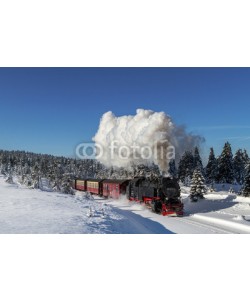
129, 223
207, 205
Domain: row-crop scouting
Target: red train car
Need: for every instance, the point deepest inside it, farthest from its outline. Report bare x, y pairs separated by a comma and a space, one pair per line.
114, 188
80, 185
94, 186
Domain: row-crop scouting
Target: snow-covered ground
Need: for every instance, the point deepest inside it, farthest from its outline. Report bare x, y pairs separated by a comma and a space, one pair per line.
27, 211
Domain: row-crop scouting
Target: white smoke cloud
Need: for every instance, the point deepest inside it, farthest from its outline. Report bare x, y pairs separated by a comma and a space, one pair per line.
151, 137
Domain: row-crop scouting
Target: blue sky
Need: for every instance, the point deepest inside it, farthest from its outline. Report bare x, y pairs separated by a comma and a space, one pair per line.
51, 110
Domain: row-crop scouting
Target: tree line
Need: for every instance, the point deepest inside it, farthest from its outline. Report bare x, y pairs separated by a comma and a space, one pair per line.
224, 169
31, 167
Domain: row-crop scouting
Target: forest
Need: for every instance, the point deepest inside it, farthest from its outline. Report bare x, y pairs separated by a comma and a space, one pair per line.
227, 168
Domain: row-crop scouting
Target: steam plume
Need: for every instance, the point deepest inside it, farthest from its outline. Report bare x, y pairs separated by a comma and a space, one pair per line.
146, 133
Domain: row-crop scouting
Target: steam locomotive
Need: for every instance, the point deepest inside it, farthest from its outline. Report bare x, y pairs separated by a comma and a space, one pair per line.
162, 196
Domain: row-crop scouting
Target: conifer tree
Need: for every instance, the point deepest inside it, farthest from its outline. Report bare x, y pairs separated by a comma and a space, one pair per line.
198, 188
66, 185
239, 165
186, 167
245, 157
246, 160
211, 168
225, 166
197, 160
246, 187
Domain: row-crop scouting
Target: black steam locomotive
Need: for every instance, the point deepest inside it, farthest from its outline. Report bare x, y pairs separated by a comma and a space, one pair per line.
161, 195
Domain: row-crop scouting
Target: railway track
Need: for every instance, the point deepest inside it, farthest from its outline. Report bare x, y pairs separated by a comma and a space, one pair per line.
207, 226
217, 225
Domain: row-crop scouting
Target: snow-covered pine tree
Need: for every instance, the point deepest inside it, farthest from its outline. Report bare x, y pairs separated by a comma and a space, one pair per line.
122, 174
66, 186
225, 166
186, 167
239, 165
211, 168
103, 173
246, 160
198, 187
246, 187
